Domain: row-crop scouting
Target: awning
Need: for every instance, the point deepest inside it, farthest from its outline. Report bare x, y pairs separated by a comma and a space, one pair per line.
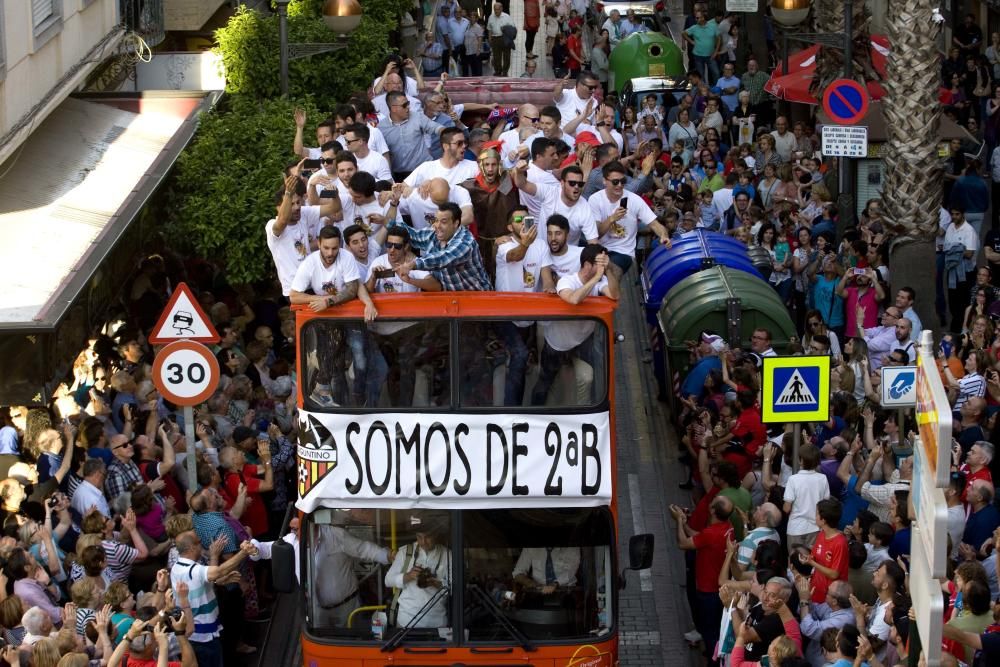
71, 190
794, 86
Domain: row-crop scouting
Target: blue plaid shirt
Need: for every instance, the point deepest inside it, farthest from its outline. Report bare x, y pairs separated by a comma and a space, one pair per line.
458, 266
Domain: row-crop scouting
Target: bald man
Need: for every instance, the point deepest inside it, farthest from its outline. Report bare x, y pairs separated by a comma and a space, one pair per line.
765, 519
421, 203
516, 140
984, 517
393, 82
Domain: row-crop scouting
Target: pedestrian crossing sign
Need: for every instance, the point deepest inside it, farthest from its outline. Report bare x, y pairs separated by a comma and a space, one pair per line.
795, 389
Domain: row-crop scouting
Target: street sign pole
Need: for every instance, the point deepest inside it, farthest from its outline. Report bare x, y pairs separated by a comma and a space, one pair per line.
190, 459
796, 436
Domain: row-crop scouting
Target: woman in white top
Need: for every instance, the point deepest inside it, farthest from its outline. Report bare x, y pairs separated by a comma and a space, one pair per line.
684, 130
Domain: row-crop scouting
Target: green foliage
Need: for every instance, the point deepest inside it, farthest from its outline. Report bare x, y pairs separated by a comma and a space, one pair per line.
249, 47
225, 181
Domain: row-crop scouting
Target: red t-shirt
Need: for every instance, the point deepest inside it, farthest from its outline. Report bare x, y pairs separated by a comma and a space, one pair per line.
573, 44
699, 515
255, 516
831, 553
982, 473
750, 430
711, 555
136, 662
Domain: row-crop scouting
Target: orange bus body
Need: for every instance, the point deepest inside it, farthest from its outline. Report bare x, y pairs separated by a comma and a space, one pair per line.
472, 305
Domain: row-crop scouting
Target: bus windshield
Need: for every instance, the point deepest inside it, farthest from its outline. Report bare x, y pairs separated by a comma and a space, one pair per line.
454, 364
483, 575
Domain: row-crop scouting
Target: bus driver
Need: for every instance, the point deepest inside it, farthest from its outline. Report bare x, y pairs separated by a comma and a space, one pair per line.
549, 567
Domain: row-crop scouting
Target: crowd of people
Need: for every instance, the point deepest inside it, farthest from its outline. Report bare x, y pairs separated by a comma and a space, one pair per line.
406, 191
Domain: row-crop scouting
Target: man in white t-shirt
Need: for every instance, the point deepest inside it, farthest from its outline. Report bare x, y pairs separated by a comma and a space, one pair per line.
324, 178
324, 133
565, 257
543, 160
804, 489
619, 215
363, 208
291, 235
572, 103
423, 203
345, 115
571, 341
332, 276
784, 141
356, 141
398, 342
519, 261
452, 167
513, 139
564, 199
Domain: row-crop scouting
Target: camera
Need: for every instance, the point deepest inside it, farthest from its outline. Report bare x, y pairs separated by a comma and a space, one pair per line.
425, 579
52, 501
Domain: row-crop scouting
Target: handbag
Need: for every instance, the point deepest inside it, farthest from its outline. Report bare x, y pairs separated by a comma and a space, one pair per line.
982, 88
727, 634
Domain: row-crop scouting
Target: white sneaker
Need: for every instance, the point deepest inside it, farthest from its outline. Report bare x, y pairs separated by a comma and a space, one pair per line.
322, 398
693, 637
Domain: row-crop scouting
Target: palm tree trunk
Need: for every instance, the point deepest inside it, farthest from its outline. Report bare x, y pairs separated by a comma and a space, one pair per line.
912, 186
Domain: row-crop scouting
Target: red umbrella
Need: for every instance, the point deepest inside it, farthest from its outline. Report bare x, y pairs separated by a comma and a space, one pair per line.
794, 87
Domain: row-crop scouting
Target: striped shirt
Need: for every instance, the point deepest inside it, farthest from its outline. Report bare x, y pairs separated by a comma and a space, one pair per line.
201, 593
971, 385
119, 559
748, 545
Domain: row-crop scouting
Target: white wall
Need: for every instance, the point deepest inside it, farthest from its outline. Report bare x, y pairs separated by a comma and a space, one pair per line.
33, 66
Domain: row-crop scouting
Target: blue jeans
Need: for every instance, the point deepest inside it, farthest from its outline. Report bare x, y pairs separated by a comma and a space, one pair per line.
357, 342
622, 261
209, 654
703, 63
707, 618
517, 362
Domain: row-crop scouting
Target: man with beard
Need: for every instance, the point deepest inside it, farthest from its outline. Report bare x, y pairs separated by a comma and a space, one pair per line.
290, 242
493, 198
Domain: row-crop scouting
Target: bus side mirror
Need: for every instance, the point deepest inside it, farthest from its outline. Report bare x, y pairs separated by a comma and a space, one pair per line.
640, 554
283, 567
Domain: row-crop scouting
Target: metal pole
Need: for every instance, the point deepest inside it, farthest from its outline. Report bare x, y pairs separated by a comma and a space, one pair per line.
283, 37
192, 449
796, 436
844, 181
901, 422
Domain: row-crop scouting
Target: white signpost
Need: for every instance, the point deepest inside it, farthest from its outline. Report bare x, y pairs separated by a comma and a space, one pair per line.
845, 141
185, 371
931, 473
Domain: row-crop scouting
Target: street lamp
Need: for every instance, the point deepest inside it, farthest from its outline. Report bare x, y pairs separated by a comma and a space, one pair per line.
790, 13
342, 17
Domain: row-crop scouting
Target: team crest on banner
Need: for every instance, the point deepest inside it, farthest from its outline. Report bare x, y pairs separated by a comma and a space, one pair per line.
317, 453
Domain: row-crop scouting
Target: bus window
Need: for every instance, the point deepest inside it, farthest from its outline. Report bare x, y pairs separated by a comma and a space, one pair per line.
390, 364
547, 572
358, 588
556, 363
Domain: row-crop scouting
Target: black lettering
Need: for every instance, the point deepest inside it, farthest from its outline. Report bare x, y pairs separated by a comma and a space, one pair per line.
177, 373
589, 451
437, 489
408, 444
553, 451
462, 489
572, 448
354, 487
519, 450
378, 427
494, 489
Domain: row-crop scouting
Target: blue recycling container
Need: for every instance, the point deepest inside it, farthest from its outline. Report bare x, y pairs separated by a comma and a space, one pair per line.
700, 250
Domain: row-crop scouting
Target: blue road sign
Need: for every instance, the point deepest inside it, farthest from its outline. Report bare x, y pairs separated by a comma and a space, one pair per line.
899, 386
845, 101
796, 389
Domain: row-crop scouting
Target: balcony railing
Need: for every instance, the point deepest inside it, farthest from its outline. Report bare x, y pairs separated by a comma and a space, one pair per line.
145, 18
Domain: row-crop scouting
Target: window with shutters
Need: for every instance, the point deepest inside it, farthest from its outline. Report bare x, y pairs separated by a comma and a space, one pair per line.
46, 20
3, 47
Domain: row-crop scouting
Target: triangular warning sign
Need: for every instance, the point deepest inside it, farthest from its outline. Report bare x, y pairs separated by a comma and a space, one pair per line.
796, 392
183, 319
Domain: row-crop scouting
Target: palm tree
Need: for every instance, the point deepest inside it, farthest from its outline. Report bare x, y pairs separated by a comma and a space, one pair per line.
912, 184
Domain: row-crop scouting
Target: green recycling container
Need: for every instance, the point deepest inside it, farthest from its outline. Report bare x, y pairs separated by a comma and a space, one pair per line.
644, 54
730, 302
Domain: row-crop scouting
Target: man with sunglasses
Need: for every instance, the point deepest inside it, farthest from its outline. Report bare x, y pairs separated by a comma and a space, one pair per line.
123, 473
619, 215
356, 142
324, 178
565, 200
572, 103
452, 166
405, 131
514, 142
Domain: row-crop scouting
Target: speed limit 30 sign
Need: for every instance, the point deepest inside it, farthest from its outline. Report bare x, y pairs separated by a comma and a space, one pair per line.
185, 372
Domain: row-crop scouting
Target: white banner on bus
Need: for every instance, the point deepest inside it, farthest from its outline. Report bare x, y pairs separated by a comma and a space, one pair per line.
453, 461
